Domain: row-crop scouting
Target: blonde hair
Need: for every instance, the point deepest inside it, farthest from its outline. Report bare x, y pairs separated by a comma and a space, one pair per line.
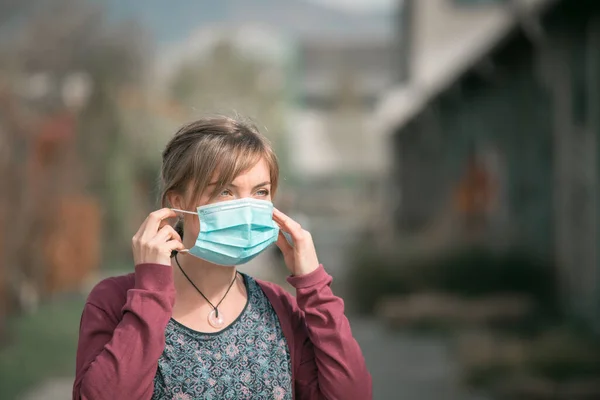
220, 144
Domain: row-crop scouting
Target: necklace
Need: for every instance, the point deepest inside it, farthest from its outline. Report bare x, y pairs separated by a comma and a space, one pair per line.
215, 318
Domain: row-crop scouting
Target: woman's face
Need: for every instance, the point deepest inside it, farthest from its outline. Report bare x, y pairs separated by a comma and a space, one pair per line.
254, 183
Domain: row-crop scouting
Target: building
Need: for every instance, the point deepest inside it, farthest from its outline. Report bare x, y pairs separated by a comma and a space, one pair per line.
513, 88
338, 82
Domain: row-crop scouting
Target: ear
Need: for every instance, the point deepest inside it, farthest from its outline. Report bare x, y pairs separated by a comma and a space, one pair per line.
176, 200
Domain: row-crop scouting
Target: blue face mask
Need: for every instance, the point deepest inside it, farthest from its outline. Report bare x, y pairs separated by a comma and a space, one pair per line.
234, 232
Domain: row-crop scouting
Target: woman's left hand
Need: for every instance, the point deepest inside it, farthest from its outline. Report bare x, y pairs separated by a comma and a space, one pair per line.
301, 257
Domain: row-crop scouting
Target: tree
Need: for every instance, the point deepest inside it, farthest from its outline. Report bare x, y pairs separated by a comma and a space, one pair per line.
49, 48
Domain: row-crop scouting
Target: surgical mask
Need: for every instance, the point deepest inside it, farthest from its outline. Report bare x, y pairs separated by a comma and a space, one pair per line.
234, 232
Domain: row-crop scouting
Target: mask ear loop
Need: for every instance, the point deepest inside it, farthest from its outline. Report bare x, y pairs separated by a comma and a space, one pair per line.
184, 211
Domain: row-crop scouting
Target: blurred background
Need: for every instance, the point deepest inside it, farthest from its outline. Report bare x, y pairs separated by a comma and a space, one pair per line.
445, 155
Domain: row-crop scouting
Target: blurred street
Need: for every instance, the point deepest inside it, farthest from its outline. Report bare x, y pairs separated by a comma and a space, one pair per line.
444, 154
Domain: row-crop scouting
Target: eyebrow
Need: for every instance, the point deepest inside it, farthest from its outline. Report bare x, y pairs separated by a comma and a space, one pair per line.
235, 186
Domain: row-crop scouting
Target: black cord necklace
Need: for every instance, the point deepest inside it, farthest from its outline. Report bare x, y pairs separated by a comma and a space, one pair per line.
215, 319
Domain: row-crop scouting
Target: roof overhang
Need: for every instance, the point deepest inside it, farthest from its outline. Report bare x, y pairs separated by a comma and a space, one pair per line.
437, 69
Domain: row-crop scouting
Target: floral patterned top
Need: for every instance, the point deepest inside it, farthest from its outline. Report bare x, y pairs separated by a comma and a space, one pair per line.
249, 359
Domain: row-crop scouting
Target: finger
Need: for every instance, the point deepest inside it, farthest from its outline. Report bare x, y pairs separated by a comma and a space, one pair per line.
285, 247
287, 224
174, 245
154, 219
156, 215
291, 227
164, 223
166, 233
141, 229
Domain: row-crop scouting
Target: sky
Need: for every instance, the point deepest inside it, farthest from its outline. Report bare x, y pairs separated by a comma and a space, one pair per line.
360, 5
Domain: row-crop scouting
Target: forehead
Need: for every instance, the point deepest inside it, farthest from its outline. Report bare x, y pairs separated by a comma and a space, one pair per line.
260, 171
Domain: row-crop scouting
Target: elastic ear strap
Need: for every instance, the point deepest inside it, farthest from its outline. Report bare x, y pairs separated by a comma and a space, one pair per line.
183, 211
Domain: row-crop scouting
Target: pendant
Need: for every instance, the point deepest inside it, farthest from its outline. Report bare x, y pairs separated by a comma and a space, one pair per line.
215, 319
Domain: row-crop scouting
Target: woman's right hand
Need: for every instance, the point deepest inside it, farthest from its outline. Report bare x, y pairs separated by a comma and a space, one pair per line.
155, 240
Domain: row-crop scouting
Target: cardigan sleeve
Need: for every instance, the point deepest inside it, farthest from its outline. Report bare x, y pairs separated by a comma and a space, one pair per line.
119, 348
341, 372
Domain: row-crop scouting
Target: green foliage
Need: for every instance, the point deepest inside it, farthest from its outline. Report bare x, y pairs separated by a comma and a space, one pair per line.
557, 355
468, 272
40, 346
374, 276
485, 376
565, 354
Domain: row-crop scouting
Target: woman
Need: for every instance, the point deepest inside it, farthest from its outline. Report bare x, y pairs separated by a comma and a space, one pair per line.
186, 324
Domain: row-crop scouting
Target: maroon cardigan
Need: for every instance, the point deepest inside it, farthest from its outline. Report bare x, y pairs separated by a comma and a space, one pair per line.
122, 336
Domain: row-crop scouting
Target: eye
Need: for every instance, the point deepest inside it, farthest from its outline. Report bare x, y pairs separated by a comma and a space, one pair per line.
226, 193
263, 192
